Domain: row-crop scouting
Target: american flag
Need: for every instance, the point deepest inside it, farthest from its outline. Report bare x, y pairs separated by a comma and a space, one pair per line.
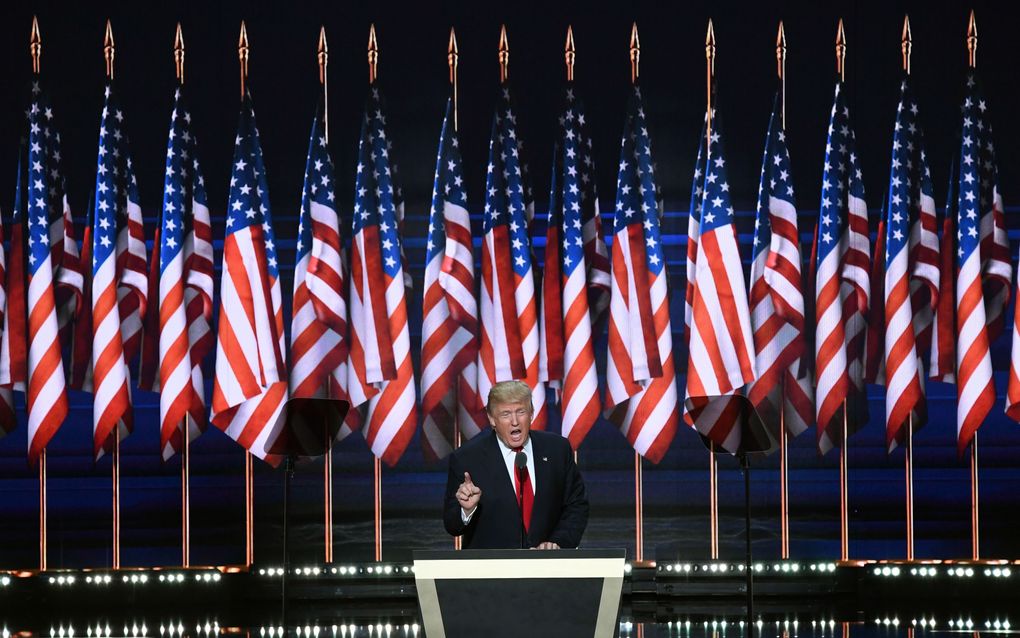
13, 340
911, 281
776, 298
983, 266
250, 389
721, 355
567, 314
179, 334
319, 341
641, 396
842, 284
119, 282
54, 277
380, 372
80, 368
449, 346
509, 307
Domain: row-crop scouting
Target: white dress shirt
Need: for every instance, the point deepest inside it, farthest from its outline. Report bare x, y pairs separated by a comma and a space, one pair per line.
509, 457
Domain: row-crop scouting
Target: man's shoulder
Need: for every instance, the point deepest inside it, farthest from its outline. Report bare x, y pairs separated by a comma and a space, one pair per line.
549, 440
475, 445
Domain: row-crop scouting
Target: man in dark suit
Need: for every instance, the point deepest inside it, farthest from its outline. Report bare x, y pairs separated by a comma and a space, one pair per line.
498, 499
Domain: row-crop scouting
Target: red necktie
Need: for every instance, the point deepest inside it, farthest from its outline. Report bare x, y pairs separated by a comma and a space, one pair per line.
527, 494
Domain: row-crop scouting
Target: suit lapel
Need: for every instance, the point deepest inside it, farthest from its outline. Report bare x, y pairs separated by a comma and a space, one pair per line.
498, 464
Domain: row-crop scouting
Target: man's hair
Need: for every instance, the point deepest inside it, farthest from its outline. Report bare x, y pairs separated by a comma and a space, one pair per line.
509, 392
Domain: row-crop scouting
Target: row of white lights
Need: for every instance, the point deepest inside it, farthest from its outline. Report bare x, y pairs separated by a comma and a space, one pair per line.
722, 568
378, 629
134, 579
376, 570
961, 572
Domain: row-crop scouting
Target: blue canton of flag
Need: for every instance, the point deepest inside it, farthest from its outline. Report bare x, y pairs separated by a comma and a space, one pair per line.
841, 177
636, 201
776, 183
377, 197
184, 183
508, 199
449, 187
249, 205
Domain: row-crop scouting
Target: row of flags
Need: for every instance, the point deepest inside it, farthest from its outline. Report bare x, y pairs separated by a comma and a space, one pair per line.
919, 307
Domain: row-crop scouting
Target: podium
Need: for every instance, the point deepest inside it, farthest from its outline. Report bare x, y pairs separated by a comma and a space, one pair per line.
520, 593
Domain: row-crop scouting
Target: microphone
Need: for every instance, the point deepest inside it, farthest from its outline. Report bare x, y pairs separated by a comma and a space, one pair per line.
521, 463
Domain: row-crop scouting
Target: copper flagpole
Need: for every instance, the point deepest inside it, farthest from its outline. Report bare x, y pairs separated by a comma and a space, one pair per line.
713, 461
373, 62
452, 56
639, 491
186, 442
35, 49
840, 67
249, 468
784, 477
975, 517
327, 472
906, 44
108, 54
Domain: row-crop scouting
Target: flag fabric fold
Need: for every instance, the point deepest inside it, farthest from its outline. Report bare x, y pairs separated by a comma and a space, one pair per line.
983, 266
449, 346
178, 333
380, 376
721, 353
319, 342
568, 281
509, 308
782, 391
119, 280
250, 389
641, 394
912, 279
842, 285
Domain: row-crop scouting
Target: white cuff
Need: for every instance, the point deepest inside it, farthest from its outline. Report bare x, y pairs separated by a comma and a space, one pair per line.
466, 516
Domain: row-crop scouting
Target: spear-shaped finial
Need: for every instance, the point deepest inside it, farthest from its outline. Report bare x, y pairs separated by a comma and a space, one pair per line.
635, 53
781, 51
373, 55
840, 51
570, 53
452, 55
179, 53
323, 56
108, 49
972, 41
504, 55
710, 48
906, 44
781, 71
242, 55
709, 75
35, 45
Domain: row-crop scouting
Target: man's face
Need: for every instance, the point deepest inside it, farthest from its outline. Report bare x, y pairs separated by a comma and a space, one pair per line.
512, 422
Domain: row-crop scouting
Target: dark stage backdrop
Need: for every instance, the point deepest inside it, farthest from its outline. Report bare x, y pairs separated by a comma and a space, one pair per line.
413, 72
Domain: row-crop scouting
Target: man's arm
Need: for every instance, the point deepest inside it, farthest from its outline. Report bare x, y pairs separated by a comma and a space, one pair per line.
574, 515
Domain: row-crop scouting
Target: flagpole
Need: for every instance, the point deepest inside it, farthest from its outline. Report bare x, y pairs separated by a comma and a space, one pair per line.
35, 49
249, 466
906, 46
713, 462
108, 54
784, 477
639, 491
373, 62
975, 518
186, 443
327, 472
452, 56
844, 514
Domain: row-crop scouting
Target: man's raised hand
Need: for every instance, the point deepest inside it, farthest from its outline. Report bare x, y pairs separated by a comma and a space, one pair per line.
468, 495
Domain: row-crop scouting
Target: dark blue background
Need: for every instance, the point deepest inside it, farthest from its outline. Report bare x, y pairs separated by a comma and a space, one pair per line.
413, 72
